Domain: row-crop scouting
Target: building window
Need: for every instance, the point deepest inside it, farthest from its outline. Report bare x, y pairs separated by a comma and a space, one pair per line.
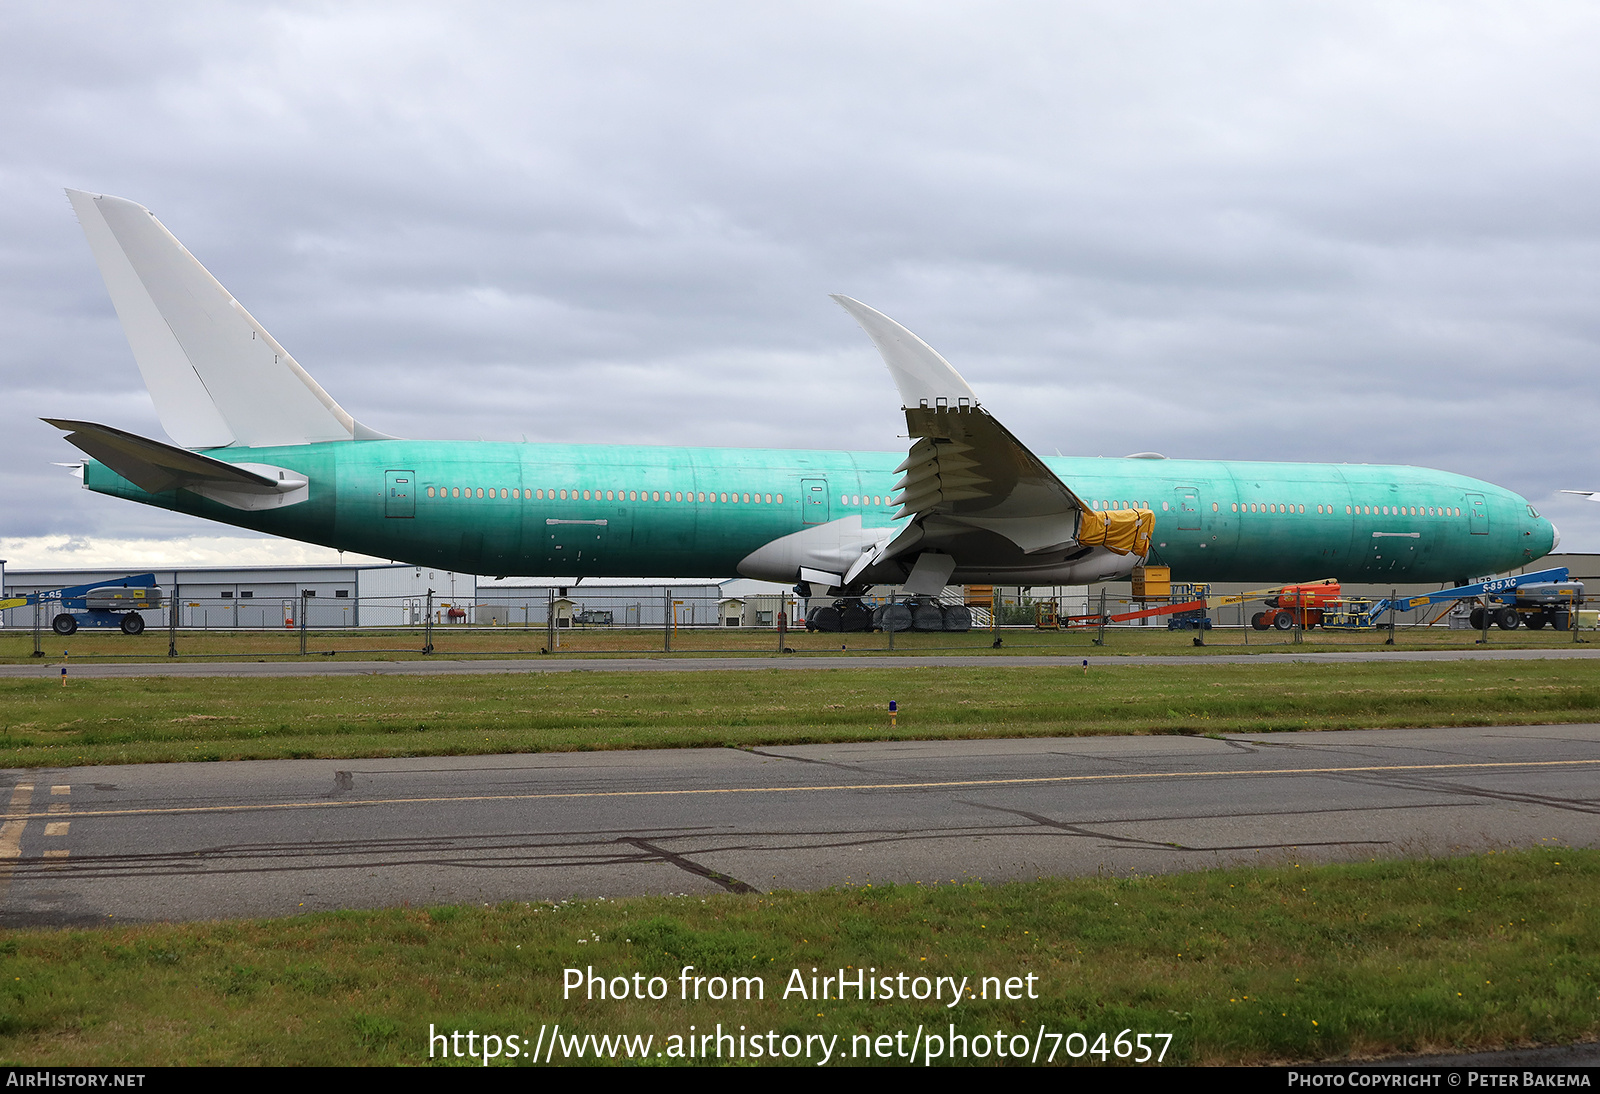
341, 592
247, 594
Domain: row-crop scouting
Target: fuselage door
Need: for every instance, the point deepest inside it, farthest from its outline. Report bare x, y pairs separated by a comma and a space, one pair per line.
1188, 505
1479, 512
814, 501
399, 493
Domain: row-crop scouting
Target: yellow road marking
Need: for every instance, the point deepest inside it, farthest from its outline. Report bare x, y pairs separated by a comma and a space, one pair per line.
57, 828
949, 784
11, 832
58, 790
57, 854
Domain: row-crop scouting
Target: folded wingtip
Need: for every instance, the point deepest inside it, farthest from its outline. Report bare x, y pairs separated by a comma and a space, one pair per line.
919, 372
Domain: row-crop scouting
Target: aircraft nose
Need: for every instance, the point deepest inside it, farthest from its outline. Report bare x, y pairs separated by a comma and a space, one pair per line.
1555, 536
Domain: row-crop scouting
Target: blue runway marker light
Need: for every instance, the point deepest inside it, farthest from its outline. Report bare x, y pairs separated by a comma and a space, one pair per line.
893, 706
1086, 666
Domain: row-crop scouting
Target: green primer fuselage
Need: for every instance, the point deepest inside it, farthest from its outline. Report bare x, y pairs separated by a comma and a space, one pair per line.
1377, 522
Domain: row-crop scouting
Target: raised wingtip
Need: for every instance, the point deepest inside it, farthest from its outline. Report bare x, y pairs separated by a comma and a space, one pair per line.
920, 374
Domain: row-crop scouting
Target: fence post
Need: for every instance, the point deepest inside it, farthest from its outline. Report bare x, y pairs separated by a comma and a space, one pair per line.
427, 626
666, 622
1393, 594
1100, 637
172, 622
303, 601
38, 650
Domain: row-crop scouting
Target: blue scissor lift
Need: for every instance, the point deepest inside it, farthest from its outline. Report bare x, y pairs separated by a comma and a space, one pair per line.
1535, 599
108, 604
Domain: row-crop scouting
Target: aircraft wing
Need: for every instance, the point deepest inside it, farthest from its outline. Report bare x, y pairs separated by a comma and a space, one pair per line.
969, 487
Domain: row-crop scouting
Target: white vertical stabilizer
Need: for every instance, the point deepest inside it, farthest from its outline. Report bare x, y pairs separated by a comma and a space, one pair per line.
216, 376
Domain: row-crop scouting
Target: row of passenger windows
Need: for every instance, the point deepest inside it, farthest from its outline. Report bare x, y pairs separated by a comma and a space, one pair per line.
1350, 510
518, 494
877, 499
1284, 507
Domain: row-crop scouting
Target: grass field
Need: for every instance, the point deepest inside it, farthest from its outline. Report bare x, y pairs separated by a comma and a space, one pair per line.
1240, 967
151, 719
1248, 966
16, 647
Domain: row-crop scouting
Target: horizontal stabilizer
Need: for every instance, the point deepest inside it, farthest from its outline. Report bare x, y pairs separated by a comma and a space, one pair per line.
156, 467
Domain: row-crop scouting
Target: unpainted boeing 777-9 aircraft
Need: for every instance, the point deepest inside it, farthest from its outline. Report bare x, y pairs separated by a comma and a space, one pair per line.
261, 445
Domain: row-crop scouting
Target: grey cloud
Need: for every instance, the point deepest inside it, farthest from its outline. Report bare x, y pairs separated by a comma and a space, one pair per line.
1248, 230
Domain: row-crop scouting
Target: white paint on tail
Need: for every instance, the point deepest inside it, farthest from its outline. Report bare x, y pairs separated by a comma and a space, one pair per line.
216, 376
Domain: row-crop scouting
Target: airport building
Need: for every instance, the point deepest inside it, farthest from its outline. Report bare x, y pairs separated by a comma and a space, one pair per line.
215, 597
387, 595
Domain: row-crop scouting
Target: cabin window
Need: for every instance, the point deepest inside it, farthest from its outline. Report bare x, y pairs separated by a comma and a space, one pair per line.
430, 491
1215, 508
780, 499
455, 491
503, 492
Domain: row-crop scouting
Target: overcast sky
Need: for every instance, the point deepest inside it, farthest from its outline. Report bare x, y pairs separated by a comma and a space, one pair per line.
1286, 231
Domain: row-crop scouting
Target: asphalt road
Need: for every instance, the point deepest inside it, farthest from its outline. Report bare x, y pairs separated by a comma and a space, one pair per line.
197, 841
796, 662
